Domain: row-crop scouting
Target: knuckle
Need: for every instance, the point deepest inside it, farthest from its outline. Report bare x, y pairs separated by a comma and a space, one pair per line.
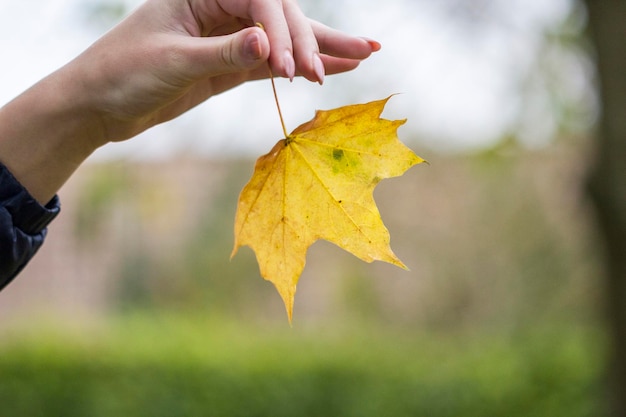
228, 56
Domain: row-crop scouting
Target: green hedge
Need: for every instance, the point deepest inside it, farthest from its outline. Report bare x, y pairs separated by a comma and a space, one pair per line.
182, 369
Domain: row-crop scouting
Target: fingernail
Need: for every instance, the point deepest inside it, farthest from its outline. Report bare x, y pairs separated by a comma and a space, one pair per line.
252, 47
318, 66
373, 44
290, 65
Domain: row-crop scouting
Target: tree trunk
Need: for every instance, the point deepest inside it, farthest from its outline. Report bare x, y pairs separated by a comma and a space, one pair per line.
607, 182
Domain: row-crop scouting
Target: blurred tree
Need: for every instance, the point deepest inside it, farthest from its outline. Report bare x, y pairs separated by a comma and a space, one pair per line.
608, 177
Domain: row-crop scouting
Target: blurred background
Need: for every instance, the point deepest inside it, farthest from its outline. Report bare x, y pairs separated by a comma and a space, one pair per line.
132, 307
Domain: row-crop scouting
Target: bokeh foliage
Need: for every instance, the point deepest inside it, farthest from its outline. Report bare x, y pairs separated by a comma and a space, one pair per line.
156, 365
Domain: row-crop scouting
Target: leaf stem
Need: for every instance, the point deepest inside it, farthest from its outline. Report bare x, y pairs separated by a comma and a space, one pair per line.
280, 113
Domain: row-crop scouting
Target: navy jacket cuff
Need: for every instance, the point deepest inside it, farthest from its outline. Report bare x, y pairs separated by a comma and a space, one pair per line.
23, 223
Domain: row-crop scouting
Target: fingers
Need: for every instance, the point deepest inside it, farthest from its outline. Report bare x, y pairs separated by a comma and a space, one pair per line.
305, 46
310, 41
297, 45
294, 48
271, 15
296, 42
339, 44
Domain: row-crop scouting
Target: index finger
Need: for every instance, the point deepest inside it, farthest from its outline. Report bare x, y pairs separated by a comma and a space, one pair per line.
270, 13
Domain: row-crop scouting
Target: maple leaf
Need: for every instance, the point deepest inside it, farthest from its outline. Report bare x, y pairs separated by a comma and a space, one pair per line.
318, 183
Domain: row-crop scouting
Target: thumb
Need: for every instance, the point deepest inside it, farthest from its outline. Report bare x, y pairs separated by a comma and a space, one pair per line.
237, 52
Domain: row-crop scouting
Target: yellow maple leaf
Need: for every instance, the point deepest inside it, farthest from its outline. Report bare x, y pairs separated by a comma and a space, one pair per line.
318, 183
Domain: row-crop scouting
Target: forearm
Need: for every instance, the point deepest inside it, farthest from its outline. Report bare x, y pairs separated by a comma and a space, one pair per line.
47, 132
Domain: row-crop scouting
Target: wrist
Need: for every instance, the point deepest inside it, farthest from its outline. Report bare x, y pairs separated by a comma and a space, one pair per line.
47, 132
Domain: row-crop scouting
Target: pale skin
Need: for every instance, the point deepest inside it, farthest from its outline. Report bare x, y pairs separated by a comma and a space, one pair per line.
164, 59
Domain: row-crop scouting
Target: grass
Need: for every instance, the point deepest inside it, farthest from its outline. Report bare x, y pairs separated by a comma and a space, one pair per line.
171, 365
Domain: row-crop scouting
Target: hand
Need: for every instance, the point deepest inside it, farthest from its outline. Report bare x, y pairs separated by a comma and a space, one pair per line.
169, 56
165, 58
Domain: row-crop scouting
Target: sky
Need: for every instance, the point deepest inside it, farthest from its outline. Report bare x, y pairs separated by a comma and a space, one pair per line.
457, 79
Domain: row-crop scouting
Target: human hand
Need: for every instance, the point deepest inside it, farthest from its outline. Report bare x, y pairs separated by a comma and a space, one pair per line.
165, 58
169, 56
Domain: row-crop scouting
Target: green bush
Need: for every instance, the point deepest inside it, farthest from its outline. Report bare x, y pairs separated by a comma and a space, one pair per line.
178, 367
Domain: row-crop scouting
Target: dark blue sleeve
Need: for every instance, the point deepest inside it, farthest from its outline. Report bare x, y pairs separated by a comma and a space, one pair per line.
23, 223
